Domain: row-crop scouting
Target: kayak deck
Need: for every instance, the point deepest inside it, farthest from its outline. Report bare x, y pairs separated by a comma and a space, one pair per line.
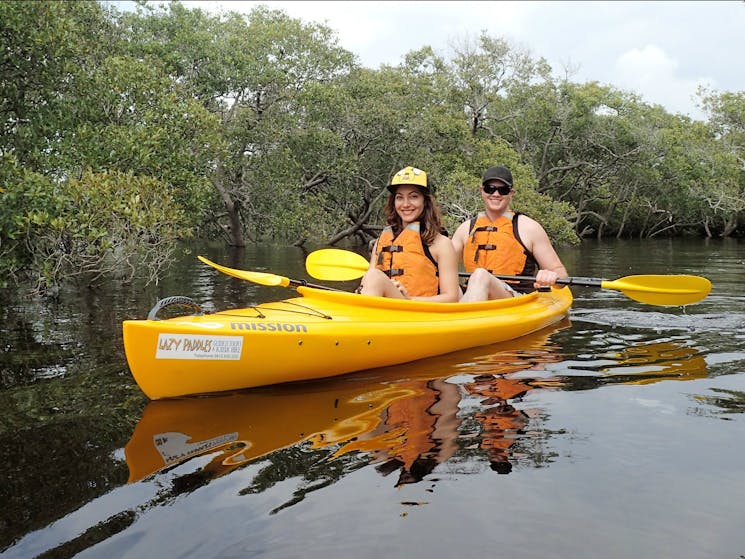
319, 334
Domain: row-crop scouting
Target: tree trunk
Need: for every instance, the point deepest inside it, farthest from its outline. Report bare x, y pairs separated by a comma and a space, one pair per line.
359, 224
235, 232
730, 224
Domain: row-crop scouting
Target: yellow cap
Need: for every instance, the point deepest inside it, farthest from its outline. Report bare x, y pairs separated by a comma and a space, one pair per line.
409, 175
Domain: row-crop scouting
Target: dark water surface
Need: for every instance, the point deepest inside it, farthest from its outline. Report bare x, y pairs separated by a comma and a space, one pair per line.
618, 433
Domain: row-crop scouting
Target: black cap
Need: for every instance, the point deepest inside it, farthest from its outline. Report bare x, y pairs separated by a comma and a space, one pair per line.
497, 173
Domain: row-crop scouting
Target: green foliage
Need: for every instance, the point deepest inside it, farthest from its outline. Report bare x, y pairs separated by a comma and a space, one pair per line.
102, 223
26, 199
249, 71
726, 159
43, 44
141, 127
136, 120
108, 223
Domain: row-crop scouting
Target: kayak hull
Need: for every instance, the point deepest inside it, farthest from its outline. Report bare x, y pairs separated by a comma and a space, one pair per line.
321, 333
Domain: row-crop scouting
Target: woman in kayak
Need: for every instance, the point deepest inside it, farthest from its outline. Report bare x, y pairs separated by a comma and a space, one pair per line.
412, 259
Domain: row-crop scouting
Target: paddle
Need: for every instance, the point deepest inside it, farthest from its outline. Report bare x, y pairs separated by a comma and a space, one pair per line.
262, 278
671, 290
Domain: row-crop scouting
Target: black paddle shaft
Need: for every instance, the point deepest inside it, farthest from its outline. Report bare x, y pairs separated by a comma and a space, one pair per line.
585, 282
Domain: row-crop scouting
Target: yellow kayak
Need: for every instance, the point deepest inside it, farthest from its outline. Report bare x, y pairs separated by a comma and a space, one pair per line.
321, 333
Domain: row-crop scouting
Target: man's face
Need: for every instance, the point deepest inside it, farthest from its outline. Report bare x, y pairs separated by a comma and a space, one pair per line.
496, 195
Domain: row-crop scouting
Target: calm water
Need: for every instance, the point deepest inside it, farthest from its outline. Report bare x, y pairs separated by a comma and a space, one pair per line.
616, 434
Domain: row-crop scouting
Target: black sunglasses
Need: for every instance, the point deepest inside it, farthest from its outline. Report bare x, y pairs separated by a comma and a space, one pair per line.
504, 190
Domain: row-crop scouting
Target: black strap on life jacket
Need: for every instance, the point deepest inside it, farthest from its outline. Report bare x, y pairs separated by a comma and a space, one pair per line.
487, 246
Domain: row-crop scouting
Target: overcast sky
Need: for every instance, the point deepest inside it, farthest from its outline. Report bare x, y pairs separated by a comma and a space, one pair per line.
661, 50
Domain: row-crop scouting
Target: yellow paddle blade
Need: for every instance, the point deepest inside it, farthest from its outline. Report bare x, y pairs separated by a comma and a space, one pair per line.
255, 277
662, 290
335, 264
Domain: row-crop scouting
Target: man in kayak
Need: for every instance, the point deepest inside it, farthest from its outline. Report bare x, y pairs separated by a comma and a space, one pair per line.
500, 241
412, 259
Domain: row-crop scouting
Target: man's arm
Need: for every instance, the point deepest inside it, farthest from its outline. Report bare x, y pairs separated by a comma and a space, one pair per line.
459, 239
537, 241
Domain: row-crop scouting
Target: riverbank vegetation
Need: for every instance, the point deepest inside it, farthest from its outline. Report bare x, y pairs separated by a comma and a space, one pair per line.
122, 133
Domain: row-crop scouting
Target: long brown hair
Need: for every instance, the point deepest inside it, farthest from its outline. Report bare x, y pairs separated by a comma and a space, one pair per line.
430, 222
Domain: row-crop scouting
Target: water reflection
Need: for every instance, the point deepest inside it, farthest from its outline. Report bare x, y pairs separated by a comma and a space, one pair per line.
640, 363
465, 408
238, 428
645, 364
724, 403
405, 417
465, 412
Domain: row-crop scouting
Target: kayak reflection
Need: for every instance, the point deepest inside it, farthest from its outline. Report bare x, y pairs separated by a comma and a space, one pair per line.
241, 427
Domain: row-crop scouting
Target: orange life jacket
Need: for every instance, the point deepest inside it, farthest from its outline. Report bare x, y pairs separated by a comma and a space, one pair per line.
496, 246
407, 259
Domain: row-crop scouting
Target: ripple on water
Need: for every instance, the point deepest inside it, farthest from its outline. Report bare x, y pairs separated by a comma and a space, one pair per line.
725, 323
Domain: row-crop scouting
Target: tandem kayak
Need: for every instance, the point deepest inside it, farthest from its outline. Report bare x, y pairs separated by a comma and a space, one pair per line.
321, 333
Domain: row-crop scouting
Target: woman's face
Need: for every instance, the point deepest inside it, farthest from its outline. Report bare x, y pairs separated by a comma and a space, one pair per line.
409, 203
